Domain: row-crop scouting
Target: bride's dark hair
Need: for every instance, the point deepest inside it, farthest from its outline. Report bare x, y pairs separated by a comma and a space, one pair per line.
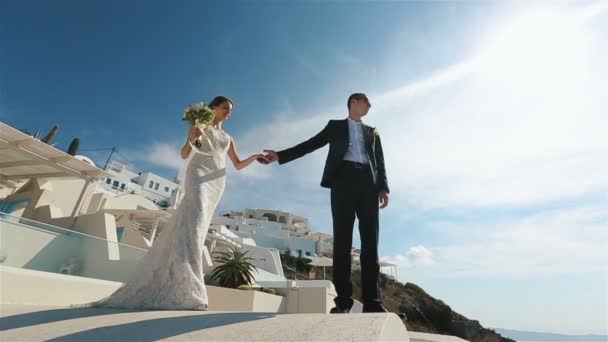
218, 100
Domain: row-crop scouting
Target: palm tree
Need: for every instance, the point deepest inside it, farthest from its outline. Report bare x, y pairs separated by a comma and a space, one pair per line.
235, 269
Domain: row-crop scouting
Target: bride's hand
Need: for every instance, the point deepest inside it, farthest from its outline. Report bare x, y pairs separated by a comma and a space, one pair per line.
194, 133
261, 159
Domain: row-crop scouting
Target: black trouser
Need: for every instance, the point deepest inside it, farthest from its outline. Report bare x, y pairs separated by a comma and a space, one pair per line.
354, 193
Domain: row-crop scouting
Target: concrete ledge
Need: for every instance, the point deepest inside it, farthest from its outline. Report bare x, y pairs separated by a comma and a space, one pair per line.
23, 323
22, 286
30, 287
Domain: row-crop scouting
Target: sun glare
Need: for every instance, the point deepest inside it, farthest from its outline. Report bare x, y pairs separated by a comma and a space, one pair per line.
539, 49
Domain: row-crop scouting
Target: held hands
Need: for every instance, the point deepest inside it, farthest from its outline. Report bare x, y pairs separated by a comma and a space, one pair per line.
270, 157
260, 158
383, 199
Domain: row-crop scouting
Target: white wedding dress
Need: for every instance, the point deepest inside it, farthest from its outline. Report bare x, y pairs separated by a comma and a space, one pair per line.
170, 276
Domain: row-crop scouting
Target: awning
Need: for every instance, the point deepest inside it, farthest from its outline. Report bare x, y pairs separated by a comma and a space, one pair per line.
145, 221
320, 261
386, 264
23, 157
140, 215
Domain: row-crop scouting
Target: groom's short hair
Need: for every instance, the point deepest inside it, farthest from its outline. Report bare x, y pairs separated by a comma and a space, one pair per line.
355, 96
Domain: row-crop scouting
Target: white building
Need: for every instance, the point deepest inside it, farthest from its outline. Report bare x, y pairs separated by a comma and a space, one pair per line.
324, 244
270, 229
297, 225
126, 180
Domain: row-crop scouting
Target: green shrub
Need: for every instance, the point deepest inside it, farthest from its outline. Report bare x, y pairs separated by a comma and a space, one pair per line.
235, 269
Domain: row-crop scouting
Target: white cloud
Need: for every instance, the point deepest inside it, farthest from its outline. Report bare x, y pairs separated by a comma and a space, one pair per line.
165, 155
464, 139
559, 241
415, 256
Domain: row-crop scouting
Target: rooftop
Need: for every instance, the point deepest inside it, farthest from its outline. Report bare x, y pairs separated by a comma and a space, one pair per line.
23, 157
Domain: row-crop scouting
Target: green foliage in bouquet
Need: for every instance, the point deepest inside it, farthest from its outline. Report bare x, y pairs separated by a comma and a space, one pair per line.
199, 115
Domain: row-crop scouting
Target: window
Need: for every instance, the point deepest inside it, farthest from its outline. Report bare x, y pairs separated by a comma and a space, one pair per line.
151, 184
10, 207
122, 186
156, 186
109, 181
308, 253
271, 217
166, 189
120, 231
115, 184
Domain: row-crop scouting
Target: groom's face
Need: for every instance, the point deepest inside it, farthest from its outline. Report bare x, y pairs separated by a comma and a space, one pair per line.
362, 105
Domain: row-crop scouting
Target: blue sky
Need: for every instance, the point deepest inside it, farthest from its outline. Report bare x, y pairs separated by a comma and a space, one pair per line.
490, 114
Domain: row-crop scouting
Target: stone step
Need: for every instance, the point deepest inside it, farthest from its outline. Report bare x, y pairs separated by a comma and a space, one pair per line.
38, 323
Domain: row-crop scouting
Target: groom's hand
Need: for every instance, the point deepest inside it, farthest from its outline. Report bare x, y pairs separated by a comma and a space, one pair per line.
262, 159
383, 199
271, 156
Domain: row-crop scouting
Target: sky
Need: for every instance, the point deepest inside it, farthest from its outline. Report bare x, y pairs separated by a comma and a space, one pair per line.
490, 115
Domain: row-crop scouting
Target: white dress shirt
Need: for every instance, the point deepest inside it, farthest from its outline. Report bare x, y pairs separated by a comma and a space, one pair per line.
356, 146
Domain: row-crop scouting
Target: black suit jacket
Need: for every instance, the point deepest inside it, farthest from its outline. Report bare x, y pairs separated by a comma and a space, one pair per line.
337, 135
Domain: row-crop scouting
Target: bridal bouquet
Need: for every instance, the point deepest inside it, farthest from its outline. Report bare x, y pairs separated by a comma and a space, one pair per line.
200, 116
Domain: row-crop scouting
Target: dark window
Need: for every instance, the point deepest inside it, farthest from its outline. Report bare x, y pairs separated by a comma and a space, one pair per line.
120, 231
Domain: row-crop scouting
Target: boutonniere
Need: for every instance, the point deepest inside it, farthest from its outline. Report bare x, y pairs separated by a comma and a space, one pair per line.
370, 134
376, 132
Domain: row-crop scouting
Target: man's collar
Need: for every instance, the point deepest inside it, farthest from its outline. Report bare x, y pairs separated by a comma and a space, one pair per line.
353, 121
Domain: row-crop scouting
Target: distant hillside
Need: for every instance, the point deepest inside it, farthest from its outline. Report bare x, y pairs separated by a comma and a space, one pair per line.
427, 314
424, 313
539, 336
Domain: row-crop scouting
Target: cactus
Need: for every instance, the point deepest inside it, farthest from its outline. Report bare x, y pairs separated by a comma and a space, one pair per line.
74, 147
51, 135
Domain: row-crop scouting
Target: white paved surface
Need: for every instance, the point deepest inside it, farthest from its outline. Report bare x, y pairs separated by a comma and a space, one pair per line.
38, 323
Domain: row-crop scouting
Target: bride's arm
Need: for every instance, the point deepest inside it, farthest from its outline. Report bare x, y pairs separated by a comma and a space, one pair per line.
193, 133
240, 164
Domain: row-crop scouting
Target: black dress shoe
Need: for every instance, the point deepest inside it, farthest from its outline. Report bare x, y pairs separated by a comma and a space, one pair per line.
336, 309
374, 307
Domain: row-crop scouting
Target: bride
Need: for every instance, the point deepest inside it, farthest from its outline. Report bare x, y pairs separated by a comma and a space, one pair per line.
170, 276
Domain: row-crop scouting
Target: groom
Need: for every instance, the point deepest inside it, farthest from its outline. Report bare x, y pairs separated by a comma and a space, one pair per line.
355, 173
